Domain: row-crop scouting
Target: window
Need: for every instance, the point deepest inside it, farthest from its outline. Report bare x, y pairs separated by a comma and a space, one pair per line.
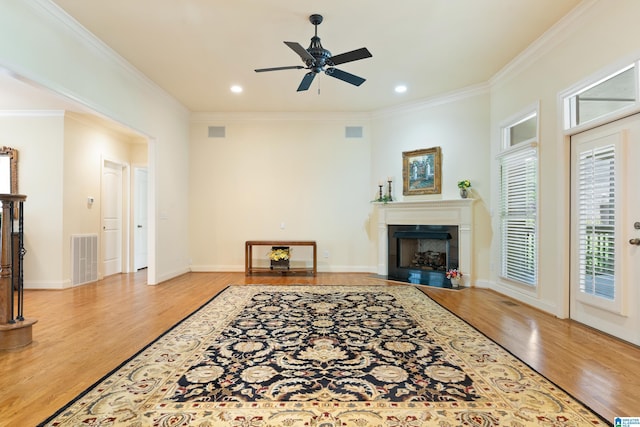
596, 221
519, 201
605, 97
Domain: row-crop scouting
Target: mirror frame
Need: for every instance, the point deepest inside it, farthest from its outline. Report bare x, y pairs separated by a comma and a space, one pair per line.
12, 153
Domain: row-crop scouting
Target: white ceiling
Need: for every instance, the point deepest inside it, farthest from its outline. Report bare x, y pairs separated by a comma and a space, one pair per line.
197, 49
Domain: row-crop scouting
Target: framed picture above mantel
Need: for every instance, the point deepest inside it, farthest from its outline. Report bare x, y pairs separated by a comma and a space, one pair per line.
421, 171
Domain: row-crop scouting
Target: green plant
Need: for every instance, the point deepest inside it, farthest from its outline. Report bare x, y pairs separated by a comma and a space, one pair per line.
383, 199
464, 184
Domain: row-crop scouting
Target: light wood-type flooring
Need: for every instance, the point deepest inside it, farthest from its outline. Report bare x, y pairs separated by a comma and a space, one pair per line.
84, 332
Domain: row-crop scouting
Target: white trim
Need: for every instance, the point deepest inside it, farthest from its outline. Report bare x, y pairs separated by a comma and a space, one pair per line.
32, 113
49, 9
207, 117
541, 46
365, 117
454, 96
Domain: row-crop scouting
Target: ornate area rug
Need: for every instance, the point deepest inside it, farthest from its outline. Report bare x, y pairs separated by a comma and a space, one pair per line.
259, 356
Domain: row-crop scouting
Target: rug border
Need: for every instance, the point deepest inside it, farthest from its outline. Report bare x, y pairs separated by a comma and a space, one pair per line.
520, 359
114, 370
123, 363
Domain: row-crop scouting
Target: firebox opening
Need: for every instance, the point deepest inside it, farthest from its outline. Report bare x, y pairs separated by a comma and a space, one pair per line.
422, 254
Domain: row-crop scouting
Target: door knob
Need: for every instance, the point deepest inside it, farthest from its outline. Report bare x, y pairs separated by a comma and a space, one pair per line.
634, 242
139, 226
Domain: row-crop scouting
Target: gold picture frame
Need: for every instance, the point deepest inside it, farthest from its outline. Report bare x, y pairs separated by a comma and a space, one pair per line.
421, 171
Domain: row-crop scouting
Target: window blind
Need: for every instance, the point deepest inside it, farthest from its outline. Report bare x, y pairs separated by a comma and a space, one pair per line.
518, 215
596, 221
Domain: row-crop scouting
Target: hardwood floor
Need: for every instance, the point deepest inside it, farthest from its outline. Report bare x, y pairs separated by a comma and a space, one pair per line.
83, 333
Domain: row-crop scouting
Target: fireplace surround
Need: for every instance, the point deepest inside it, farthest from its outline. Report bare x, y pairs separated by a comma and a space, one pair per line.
437, 219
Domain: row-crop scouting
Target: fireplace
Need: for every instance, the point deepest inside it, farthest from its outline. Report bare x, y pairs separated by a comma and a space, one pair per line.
422, 254
433, 221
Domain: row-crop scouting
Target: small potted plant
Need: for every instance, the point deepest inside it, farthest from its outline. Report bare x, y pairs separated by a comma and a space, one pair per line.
454, 276
279, 256
464, 186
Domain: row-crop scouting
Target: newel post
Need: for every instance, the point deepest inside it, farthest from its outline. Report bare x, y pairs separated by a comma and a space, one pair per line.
15, 330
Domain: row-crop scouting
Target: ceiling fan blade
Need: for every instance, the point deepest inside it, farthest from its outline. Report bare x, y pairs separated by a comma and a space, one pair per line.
354, 55
344, 76
306, 81
291, 67
301, 51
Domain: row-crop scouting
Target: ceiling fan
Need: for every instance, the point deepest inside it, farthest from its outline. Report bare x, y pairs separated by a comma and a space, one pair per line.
317, 58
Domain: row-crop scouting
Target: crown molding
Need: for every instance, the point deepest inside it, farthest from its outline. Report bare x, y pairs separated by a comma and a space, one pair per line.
454, 96
32, 113
204, 117
51, 11
543, 44
357, 117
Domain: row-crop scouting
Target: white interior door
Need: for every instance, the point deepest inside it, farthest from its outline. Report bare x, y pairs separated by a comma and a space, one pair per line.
111, 218
140, 219
605, 228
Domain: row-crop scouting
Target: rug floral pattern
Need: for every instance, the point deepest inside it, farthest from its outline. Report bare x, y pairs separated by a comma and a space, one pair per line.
261, 356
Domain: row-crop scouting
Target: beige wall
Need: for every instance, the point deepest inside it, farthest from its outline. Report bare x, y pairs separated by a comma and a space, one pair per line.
59, 166
603, 34
39, 139
86, 145
41, 45
458, 123
299, 170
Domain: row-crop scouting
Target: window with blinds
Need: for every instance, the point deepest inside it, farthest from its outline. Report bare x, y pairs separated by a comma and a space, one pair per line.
596, 221
518, 214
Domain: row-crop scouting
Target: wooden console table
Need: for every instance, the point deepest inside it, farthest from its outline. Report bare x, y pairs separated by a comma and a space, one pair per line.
248, 256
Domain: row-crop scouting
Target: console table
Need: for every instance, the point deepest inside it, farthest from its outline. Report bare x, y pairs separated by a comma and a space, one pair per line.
248, 256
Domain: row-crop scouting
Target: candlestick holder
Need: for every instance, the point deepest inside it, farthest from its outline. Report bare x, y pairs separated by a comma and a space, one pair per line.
389, 198
379, 192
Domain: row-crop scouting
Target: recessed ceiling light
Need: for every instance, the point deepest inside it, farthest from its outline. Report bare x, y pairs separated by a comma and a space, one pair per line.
236, 89
400, 89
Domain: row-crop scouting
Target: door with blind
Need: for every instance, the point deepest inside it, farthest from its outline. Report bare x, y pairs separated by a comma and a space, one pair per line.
605, 228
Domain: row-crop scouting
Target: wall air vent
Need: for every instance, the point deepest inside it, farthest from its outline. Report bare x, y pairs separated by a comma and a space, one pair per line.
353, 131
217, 131
84, 258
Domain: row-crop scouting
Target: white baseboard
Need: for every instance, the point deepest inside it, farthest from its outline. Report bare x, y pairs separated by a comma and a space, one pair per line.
47, 284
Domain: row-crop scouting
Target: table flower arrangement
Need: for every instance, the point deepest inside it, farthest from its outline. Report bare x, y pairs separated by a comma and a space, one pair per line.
279, 254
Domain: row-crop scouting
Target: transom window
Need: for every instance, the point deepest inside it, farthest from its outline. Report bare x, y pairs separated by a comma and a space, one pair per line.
605, 97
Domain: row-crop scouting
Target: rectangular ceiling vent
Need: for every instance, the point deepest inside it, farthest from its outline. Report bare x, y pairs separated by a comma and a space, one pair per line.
353, 131
216, 131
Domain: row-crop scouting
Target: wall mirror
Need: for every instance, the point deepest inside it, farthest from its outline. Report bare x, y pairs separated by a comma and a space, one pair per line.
8, 170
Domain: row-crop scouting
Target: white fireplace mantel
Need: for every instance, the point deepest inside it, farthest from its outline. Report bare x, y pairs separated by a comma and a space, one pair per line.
428, 212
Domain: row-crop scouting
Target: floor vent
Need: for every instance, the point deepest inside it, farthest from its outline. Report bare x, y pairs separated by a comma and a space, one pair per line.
84, 258
510, 303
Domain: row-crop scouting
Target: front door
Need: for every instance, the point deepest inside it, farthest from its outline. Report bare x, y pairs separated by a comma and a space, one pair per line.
605, 228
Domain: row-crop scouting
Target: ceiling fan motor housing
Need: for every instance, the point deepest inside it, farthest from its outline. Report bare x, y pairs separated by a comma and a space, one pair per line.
319, 53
